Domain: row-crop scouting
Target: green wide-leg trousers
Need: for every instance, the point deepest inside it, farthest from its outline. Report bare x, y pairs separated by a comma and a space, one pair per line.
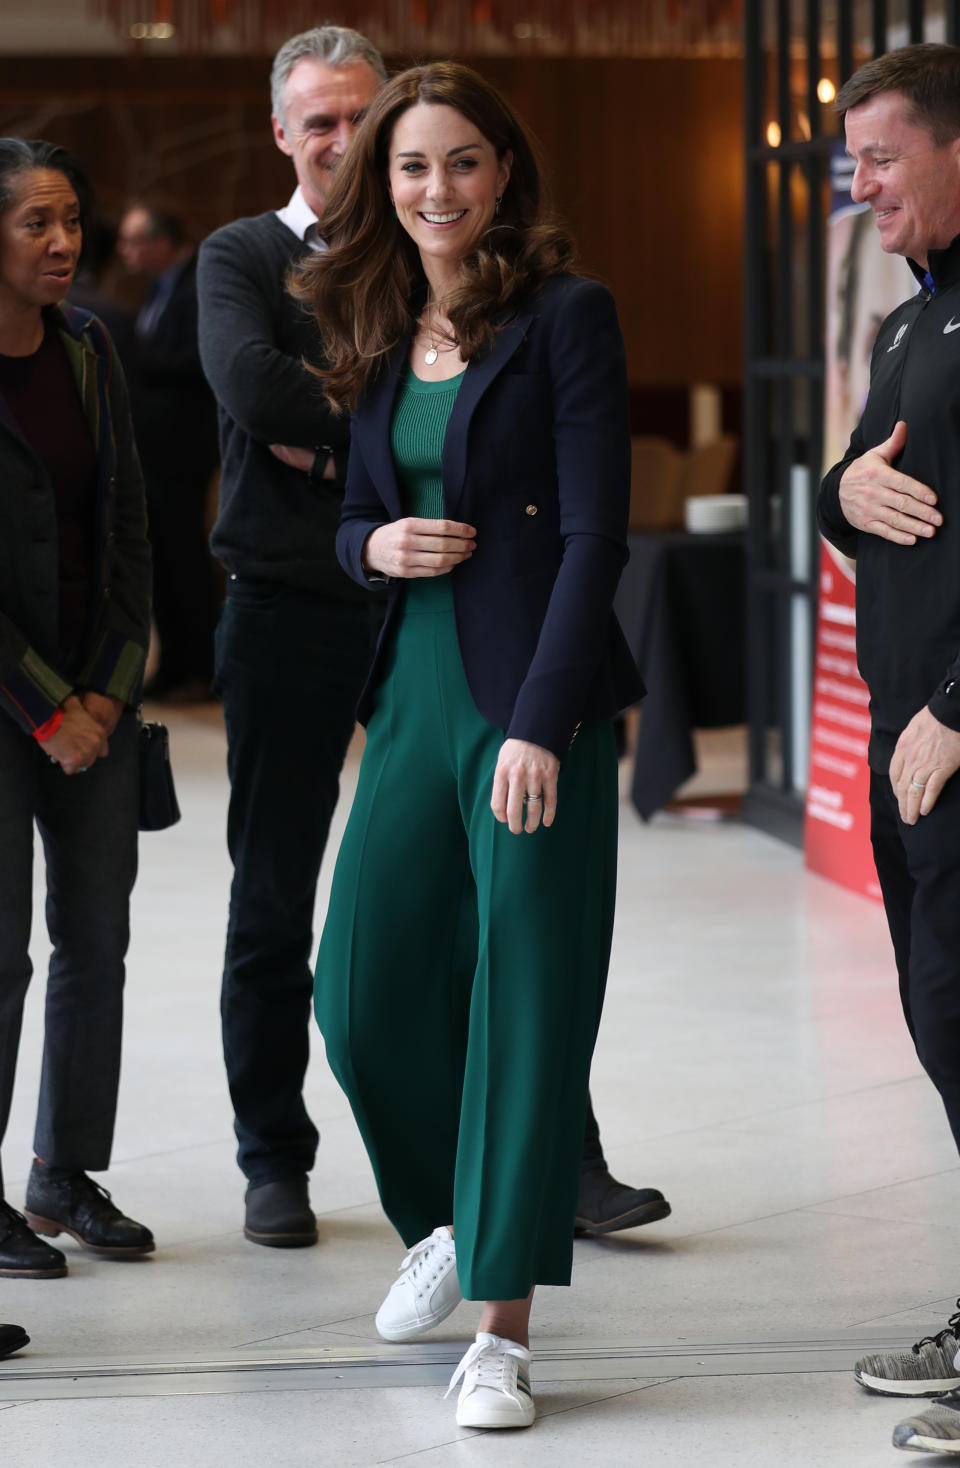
462, 968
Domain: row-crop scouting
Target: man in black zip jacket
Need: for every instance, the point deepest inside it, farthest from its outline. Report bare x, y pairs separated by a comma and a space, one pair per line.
893, 503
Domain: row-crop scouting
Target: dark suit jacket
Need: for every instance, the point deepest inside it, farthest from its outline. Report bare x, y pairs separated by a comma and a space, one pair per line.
173, 408
537, 458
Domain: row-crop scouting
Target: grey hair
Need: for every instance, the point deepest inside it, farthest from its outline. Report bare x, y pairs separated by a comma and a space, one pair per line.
23, 155
334, 45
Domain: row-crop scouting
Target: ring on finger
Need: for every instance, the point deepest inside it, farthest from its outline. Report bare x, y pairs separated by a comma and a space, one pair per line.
530, 798
918, 784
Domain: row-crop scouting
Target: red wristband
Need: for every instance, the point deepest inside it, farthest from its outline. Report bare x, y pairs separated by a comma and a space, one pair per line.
46, 731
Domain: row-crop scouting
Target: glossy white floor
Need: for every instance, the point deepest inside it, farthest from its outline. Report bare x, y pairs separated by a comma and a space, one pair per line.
752, 1063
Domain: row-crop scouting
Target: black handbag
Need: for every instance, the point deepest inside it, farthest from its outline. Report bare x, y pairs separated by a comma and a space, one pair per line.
158, 798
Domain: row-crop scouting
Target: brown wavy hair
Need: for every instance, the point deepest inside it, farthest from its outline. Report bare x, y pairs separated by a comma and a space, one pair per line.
366, 289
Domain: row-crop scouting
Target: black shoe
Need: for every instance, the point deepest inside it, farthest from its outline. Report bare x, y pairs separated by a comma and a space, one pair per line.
604, 1205
13, 1338
22, 1254
62, 1201
279, 1214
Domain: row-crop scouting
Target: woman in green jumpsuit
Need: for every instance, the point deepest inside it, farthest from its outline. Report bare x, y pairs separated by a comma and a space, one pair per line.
464, 956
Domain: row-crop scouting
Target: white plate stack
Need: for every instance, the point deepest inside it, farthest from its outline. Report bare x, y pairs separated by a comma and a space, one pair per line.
709, 514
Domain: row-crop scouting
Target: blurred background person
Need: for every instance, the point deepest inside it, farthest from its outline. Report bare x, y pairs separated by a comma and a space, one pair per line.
91, 288
176, 426
74, 623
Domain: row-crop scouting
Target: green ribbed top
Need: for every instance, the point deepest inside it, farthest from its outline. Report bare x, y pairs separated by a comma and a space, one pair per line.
417, 431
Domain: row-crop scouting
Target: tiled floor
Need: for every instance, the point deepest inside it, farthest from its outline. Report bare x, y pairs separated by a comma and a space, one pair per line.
752, 1063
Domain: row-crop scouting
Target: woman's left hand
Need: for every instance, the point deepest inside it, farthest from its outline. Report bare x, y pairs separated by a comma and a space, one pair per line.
525, 770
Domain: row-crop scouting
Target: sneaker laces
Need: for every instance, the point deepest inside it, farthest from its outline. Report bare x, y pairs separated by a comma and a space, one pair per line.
488, 1359
422, 1255
937, 1340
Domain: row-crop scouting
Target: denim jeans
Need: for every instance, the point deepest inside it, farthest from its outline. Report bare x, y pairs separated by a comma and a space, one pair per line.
88, 827
289, 667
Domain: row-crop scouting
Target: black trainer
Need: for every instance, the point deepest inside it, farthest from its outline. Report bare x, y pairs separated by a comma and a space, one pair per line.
22, 1254
279, 1215
604, 1206
62, 1201
12, 1338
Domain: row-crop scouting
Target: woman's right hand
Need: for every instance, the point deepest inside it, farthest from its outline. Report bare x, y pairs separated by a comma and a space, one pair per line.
416, 547
78, 742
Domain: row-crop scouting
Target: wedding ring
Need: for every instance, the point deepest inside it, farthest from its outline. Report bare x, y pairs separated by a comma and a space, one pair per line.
528, 798
919, 784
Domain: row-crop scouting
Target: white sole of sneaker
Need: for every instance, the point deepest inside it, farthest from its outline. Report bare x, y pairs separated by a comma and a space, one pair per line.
489, 1418
918, 1444
411, 1332
885, 1388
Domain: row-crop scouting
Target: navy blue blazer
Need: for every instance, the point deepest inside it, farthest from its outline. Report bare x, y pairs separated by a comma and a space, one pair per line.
537, 458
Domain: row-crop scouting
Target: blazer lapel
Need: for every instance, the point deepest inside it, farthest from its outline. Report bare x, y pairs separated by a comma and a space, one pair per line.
374, 414
479, 375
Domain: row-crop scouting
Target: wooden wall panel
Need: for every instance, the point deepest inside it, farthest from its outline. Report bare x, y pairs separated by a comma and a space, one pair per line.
644, 158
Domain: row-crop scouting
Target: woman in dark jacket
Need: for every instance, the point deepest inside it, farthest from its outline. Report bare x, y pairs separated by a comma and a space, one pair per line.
464, 956
74, 621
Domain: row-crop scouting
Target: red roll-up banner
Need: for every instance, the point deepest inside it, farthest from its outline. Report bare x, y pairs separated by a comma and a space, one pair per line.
837, 825
863, 286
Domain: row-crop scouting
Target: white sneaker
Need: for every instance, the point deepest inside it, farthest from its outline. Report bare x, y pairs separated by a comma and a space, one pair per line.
496, 1384
427, 1291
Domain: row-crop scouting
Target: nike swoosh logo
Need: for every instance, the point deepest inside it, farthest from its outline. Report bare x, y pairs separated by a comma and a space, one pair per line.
951, 326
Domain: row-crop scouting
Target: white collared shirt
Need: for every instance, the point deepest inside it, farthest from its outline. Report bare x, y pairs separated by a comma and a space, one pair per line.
298, 217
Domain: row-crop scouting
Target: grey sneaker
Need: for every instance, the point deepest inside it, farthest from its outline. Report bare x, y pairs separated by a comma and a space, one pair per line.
925, 1370
934, 1430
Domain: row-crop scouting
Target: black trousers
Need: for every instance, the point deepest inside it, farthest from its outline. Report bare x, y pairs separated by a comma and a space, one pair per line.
88, 827
919, 871
184, 594
289, 667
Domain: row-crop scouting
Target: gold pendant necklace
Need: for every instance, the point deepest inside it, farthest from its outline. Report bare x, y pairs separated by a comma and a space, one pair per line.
431, 354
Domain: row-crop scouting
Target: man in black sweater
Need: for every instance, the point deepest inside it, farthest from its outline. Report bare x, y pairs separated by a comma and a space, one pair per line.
893, 503
296, 635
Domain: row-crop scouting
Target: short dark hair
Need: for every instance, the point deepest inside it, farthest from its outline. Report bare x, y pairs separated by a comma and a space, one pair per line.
927, 74
162, 224
24, 155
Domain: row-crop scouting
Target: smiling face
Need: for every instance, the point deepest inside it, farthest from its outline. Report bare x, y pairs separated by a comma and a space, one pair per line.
40, 240
911, 183
323, 106
445, 179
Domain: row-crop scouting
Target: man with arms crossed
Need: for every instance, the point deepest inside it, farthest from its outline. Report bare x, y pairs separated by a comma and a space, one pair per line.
893, 503
296, 635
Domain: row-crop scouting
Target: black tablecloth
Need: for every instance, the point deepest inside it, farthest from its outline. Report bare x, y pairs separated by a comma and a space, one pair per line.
681, 606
